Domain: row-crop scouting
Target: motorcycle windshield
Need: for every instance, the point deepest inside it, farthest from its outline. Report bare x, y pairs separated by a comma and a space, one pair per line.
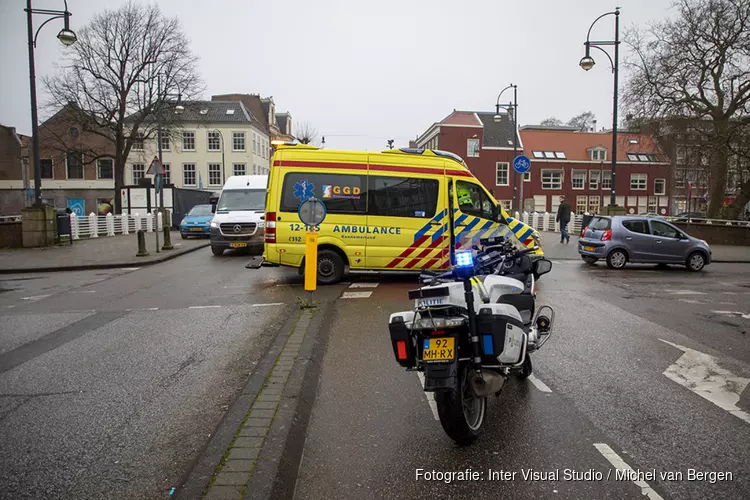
477, 229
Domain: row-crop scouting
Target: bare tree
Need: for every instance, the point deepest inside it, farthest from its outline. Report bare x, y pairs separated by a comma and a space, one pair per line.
697, 67
551, 122
112, 76
583, 122
307, 133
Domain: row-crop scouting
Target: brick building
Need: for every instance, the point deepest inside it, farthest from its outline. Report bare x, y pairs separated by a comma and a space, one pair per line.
563, 161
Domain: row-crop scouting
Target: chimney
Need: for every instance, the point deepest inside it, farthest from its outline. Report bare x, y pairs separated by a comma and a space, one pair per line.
594, 128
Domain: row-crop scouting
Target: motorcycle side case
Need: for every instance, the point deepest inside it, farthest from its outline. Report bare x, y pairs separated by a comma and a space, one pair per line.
399, 332
501, 334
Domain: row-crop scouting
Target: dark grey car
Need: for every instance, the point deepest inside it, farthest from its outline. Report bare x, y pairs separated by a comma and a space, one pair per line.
623, 239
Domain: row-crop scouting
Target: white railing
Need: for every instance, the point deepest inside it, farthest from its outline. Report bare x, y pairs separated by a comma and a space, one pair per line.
94, 226
545, 221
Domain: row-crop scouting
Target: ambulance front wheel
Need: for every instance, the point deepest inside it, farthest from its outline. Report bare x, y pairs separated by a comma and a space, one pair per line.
330, 267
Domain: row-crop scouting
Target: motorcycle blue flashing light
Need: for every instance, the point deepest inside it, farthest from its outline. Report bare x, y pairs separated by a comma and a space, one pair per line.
464, 259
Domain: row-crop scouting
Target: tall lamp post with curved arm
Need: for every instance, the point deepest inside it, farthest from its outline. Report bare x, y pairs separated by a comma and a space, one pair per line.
512, 109
67, 37
587, 62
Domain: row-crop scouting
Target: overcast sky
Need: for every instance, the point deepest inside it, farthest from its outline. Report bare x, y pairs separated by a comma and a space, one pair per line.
361, 71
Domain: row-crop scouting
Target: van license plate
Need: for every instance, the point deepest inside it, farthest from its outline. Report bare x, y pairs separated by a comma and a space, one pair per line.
439, 349
589, 249
240, 244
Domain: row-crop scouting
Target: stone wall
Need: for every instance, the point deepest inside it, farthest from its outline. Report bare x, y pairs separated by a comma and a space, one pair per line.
717, 234
11, 235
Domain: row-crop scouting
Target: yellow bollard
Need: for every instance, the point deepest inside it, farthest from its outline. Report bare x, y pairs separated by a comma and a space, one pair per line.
311, 261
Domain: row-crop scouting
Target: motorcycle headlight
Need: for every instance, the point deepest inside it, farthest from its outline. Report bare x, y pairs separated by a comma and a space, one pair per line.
214, 224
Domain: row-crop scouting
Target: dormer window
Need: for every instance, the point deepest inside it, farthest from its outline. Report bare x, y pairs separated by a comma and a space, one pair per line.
599, 154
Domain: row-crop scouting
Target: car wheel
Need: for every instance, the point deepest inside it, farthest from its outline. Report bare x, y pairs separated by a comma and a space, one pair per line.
184, 236
696, 261
217, 250
330, 267
617, 259
589, 260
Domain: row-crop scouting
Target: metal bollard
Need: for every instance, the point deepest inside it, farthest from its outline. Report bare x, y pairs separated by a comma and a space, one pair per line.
141, 244
166, 227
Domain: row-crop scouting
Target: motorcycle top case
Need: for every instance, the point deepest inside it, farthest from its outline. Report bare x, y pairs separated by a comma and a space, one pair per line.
501, 334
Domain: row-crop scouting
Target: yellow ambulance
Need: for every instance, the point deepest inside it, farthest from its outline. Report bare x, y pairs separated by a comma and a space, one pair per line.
397, 210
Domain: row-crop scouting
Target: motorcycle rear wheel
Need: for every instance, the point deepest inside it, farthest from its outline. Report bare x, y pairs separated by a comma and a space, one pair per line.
461, 412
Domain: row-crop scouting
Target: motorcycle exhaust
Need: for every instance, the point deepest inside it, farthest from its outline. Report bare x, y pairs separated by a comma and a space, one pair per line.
488, 384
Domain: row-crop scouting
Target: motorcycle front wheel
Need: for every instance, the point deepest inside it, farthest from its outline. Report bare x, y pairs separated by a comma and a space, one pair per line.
461, 412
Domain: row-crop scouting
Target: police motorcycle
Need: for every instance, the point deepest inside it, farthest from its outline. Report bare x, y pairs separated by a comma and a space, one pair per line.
466, 337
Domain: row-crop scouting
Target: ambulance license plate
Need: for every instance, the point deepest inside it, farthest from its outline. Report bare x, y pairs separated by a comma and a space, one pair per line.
439, 349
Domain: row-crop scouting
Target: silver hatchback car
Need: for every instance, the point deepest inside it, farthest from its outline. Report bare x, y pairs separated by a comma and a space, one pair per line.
623, 239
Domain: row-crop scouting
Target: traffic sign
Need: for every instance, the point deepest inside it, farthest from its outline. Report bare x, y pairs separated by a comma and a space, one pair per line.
521, 164
156, 168
312, 212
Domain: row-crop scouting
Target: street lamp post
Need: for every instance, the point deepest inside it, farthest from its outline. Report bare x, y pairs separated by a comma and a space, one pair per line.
587, 62
178, 109
67, 37
511, 108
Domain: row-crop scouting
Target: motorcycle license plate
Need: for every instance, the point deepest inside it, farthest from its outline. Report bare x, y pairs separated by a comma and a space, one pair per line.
238, 245
439, 349
589, 249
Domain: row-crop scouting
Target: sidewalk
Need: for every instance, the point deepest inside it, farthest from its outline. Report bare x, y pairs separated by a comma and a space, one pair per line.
95, 253
555, 250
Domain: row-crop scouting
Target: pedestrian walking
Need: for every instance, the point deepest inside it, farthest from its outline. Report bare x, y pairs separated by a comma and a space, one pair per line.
563, 217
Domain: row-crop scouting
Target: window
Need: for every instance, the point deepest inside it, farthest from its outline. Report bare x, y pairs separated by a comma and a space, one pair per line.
472, 200
501, 174
472, 147
527, 176
139, 171
594, 179
652, 204
45, 165
255, 143
551, 179
238, 141
341, 193
607, 180
255, 169
638, 182
167, 177
594, 204
549, 154
239, 169
506, 204
660, 186
581, 204
188, 174
579, 179
214, 174
105, 168
662, 229
165, 142
538, 154
598, 154
75, 164
138, 142
188, 141
600, 223
214, 141
636, 226
560, 155
402, 197
242, 199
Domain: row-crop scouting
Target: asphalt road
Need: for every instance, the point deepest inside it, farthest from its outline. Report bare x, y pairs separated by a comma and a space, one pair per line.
112, 381
601, 397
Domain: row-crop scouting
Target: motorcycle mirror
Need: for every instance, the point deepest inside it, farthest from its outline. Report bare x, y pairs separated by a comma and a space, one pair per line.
543, 266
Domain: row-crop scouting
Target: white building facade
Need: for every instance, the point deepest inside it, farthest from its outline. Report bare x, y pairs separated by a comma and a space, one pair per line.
212, 141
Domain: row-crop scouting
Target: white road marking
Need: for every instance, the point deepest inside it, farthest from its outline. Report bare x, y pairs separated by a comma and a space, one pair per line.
35, 297
430, 397
363, 285
84, 291
733, 313
691, 301
269, 304
701, 374
621, 465
202, 307
355, 295
129, 268
539, 384
238, 286
685, 292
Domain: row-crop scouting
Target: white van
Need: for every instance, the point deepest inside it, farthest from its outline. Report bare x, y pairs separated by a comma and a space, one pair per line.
239, 214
